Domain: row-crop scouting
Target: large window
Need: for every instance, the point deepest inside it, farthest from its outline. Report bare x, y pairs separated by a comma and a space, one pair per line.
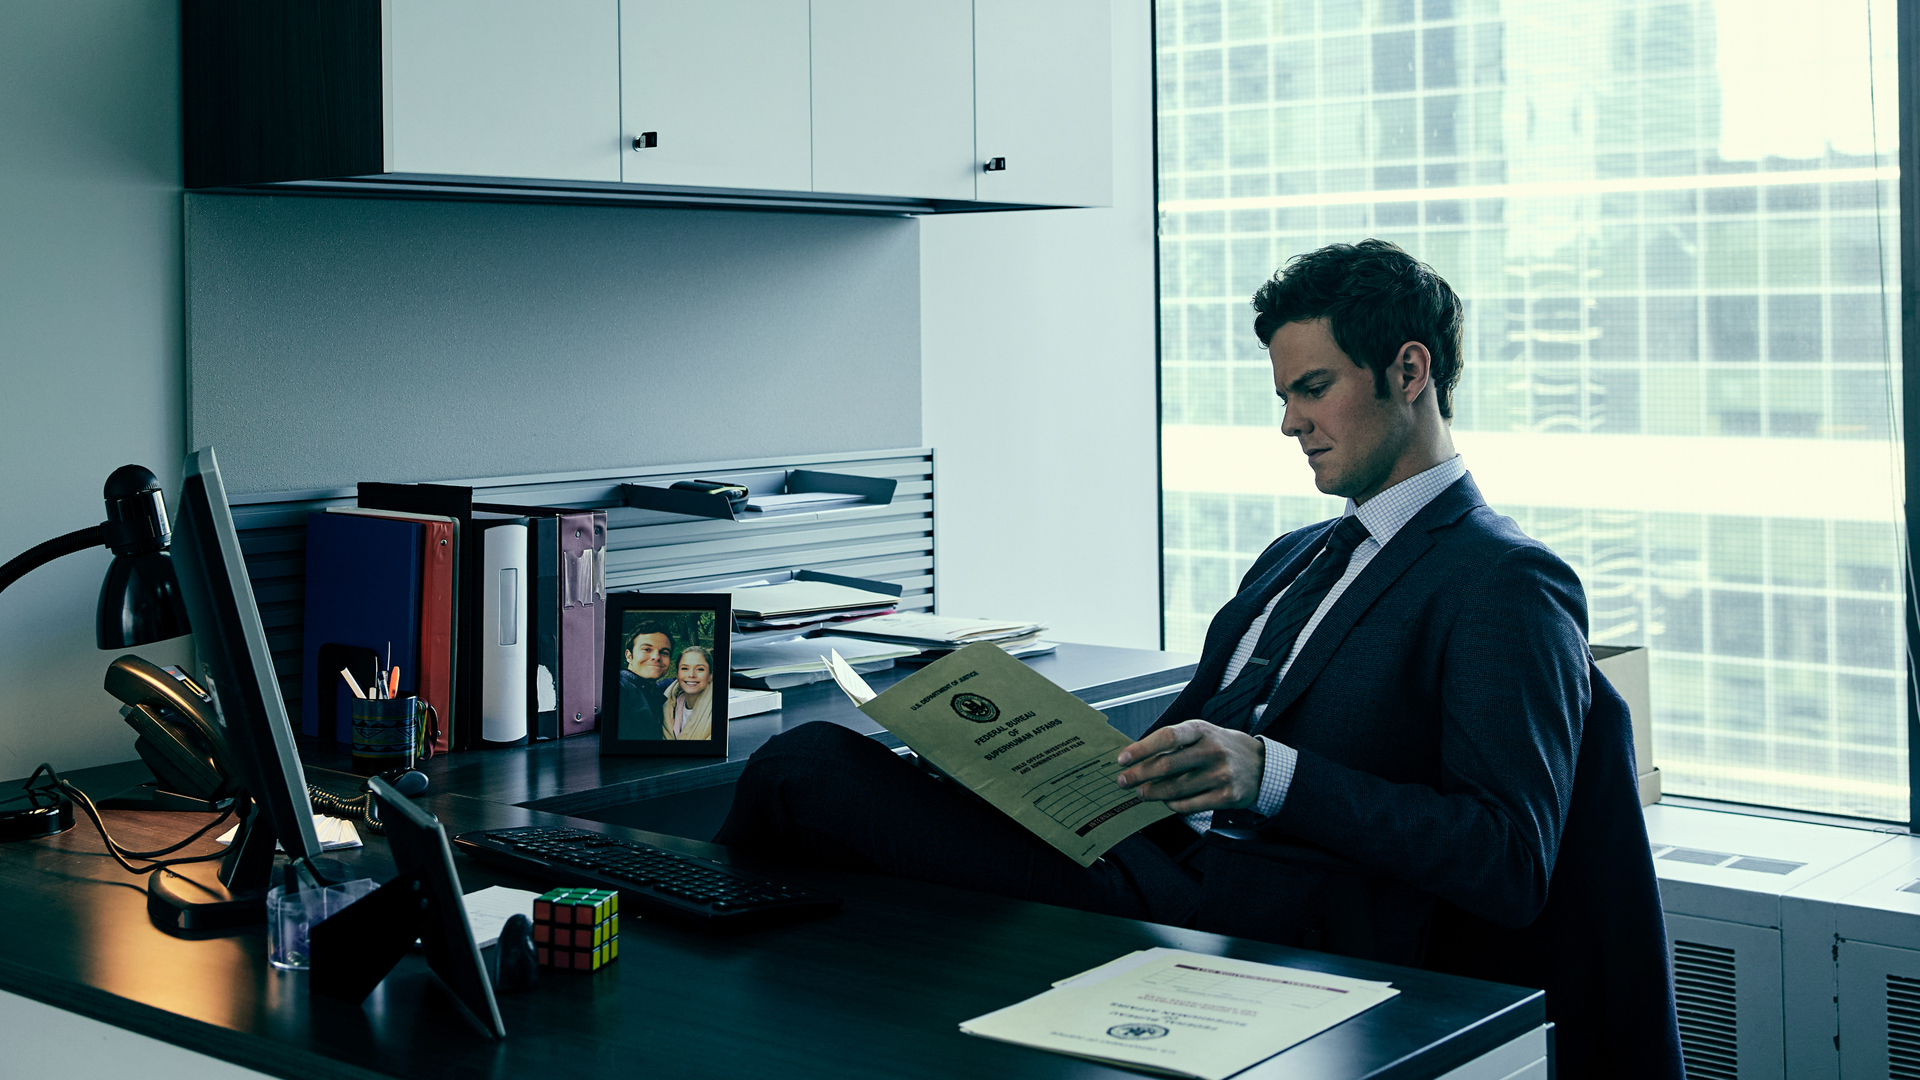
1675, 228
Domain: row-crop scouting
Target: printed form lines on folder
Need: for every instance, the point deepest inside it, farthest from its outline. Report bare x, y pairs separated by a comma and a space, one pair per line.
1073, 797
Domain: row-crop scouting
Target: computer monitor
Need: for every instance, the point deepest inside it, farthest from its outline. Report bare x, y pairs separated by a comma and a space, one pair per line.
236, 669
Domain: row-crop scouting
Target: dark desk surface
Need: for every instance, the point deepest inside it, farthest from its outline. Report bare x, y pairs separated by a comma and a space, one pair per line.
568, 776
875, 991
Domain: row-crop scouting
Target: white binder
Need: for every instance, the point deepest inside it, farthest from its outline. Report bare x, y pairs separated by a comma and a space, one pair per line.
505, 592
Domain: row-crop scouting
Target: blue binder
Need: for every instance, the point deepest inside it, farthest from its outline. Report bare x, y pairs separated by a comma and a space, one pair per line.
363, 589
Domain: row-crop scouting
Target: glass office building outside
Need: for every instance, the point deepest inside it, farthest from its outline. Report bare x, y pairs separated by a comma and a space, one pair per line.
1675, 229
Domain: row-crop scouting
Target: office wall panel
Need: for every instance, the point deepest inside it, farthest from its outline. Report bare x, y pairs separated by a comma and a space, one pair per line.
89, 341
646, 549
331, 341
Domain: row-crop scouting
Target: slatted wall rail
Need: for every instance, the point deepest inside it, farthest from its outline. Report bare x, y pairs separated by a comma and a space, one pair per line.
646, 550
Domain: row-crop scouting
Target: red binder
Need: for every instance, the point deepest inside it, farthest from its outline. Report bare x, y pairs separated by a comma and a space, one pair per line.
436, 626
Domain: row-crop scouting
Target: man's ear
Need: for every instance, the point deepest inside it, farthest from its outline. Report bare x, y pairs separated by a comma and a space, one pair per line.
1412, 371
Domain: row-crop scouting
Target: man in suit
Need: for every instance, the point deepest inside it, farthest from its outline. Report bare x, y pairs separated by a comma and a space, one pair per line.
1400, 691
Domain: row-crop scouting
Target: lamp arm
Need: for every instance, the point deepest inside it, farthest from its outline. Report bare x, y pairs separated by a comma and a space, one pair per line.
41, 554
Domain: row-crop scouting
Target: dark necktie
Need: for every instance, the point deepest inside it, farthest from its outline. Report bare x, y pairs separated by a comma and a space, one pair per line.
1233, 706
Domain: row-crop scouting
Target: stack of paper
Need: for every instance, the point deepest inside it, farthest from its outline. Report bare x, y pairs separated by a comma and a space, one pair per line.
792, 608
750, 702
809, 500
1182, 1013
489, 909
941, 634
777, 665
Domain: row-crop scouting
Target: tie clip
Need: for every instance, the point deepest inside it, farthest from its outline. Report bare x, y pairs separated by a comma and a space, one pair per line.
1257, 660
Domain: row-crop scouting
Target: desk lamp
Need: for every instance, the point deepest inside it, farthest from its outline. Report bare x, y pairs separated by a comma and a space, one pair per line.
139, 600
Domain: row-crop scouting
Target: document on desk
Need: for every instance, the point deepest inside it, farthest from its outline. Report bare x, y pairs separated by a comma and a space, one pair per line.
1182, 1013
1034, 751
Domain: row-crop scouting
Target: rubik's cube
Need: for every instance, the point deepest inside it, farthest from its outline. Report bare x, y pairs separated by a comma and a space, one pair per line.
577, 929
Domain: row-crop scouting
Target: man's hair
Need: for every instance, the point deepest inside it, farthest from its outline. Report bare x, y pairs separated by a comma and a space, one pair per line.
646, 627
1375, 298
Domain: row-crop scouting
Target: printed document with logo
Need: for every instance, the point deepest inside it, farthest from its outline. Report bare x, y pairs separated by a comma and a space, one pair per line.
1037, 753
1182, 1013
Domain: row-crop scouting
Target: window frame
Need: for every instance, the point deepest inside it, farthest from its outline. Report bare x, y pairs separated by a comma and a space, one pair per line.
1907, 46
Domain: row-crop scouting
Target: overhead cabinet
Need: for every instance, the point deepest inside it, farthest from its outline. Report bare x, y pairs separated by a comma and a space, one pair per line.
892, 91
714, 94
848, 105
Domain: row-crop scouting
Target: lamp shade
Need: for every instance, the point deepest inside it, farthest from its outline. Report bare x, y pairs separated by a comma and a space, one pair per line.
140, 602
140, 598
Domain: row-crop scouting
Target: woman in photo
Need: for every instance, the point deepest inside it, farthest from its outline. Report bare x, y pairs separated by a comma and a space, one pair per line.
688, 715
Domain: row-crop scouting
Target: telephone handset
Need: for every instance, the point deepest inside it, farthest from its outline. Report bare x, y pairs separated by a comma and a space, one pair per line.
179, 738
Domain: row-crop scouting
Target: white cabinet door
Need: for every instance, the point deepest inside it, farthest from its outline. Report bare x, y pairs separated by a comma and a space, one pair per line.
503, 88
1879, 1011
1727, 992
1043, 100
893, 98
722, 85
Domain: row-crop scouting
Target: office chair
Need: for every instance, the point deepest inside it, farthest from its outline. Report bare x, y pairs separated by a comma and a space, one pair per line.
1598, 947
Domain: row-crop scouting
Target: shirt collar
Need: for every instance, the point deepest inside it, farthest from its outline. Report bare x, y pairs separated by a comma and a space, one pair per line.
1387, 512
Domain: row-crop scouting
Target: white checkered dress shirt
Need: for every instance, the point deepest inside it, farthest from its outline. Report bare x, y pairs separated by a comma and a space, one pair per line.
1383, 515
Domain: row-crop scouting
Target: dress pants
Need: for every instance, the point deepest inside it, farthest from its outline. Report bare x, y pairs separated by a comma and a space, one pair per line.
823, 795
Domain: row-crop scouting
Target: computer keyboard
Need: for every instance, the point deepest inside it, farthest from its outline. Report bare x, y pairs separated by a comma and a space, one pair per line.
654, 880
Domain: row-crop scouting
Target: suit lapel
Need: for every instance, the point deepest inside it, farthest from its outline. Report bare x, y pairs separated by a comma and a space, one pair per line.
1412, 541
1230, 625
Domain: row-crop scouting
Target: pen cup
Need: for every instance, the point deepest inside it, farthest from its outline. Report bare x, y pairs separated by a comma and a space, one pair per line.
386, 733
291, 917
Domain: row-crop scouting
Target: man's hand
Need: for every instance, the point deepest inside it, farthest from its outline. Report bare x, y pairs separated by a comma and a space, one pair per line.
1193, 766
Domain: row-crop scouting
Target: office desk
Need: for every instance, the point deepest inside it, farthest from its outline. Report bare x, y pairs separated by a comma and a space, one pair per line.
875, 991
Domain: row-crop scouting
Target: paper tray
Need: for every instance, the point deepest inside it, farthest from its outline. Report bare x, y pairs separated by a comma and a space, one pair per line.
873, 491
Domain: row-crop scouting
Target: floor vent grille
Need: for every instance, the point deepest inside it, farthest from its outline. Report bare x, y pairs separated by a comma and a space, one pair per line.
1903, 1028
1703, 977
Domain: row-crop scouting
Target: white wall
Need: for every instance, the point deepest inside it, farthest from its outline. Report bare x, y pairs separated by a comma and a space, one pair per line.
90, 369
1037, 384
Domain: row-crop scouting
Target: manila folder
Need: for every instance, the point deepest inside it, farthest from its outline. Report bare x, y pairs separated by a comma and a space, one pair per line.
1037, 753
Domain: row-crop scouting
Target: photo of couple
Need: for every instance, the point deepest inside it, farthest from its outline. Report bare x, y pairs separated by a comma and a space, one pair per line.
668, 681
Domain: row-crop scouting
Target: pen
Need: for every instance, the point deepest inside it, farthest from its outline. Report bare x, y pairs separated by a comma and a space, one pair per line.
393, 682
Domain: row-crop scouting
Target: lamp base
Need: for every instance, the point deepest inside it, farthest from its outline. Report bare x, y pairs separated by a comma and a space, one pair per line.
190, 898
37, 821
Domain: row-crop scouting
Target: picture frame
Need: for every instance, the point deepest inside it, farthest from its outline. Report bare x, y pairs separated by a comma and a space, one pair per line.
647, 694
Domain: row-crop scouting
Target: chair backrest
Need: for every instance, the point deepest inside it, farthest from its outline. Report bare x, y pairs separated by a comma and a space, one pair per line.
1599, 946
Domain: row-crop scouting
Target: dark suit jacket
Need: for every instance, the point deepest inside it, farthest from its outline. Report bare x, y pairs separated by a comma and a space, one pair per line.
642, 704
1438, 711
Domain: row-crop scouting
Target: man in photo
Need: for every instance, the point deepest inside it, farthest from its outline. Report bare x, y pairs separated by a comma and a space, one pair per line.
688, 713
649, 649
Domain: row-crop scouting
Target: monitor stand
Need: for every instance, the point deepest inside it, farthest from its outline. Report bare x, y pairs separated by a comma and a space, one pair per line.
216, 896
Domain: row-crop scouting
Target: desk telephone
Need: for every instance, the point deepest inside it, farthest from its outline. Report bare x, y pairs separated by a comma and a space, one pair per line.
186, 747
179, 738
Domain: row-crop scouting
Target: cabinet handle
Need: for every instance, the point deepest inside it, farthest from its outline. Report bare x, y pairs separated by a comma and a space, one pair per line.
998, 164
646, 139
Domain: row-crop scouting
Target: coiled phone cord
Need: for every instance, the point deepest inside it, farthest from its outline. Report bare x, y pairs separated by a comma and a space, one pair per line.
358, 809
